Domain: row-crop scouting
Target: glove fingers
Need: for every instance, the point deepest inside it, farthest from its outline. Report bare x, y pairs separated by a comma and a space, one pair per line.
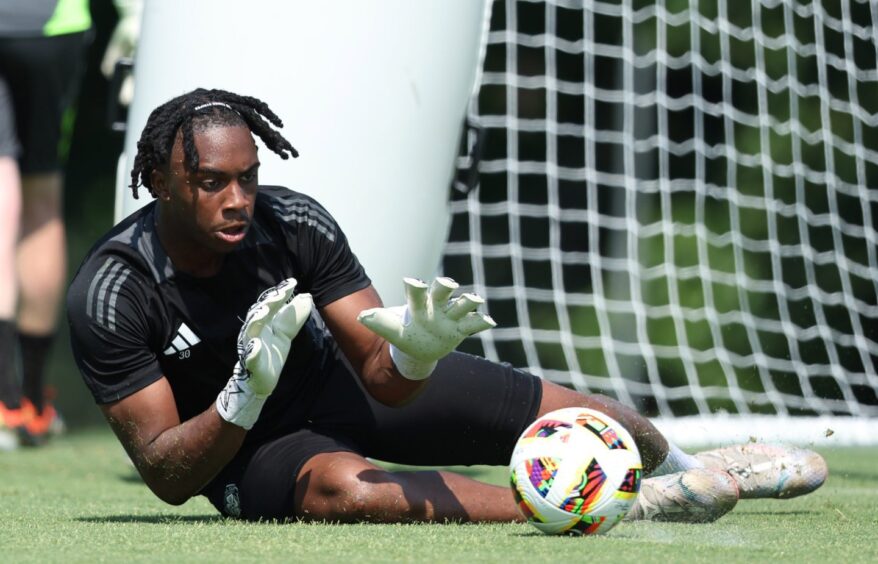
261, 359
441, 291
384, 323
263, 311
475, 322
252, 353
257, 316
463, 305
291, 317
276, 296
416, 296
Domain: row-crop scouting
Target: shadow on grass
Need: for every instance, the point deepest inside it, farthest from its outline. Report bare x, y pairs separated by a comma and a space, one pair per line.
153, 519
778, 512
131, 477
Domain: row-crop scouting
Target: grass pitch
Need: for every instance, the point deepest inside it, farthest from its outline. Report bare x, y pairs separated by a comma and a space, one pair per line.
78, 500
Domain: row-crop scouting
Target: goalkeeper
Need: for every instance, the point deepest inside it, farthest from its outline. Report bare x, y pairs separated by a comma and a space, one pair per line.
238, 350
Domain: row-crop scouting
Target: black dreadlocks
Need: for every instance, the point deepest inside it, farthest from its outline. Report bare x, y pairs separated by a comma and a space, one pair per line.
204, 107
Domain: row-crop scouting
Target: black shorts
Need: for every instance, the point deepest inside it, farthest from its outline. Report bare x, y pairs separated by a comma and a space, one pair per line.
42, 75
471, 412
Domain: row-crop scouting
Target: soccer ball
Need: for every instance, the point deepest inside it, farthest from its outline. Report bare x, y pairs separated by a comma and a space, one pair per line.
575, 471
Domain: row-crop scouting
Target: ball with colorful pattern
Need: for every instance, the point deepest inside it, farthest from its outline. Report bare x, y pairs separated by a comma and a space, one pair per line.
575, 471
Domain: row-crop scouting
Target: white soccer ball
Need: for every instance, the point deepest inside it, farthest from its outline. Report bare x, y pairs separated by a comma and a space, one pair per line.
575, 471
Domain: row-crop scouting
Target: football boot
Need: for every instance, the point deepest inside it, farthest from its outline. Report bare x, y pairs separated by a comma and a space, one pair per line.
768, 470
698, 495
12, 421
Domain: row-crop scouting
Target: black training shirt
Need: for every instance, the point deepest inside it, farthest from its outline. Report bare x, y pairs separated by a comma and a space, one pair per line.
134, 318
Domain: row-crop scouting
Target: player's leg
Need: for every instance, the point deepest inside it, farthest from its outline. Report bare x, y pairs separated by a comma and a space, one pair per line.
10, 206
651, 443
11, 416
314, 476
474, 410
42, 269
10, 210
42, 260
677, 487
47, 73
344, 486
759, 470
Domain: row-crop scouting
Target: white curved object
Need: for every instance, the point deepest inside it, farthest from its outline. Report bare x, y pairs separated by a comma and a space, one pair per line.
372, 94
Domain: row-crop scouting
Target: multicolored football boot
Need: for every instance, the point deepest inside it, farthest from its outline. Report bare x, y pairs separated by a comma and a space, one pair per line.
769, 470
699, 495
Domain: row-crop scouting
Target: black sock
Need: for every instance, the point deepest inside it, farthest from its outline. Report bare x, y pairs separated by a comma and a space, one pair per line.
10, 365
34, 352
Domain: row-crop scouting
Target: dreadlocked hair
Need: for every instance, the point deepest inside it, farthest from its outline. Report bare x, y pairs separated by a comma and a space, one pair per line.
205, 108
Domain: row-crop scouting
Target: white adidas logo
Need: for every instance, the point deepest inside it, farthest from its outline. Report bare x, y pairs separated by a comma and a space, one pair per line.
180, 345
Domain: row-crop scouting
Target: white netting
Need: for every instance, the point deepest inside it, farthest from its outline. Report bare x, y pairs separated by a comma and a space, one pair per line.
672, 202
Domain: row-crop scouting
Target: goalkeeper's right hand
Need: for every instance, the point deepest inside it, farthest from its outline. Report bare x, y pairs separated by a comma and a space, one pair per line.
428, 327
263, 345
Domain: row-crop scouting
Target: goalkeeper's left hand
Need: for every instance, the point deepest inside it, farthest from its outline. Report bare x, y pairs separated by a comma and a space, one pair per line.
428, 327
264, 343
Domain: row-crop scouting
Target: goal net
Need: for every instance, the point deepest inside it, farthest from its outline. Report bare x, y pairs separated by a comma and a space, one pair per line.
673, 203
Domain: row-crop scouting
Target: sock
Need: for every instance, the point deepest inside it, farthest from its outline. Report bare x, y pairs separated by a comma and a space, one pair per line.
676, 461
34, 352
10, 365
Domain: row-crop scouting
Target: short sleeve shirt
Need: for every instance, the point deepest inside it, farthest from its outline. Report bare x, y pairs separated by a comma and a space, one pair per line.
134, 318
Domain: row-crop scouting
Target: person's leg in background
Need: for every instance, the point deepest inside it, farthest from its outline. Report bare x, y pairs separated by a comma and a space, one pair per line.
44, 75
11, 417
42, 270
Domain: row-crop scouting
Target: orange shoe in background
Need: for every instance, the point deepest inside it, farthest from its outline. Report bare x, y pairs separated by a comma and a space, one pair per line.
41, 426
12, 423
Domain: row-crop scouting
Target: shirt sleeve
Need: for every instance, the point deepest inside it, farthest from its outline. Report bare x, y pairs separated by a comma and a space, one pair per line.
330, 270
110, 329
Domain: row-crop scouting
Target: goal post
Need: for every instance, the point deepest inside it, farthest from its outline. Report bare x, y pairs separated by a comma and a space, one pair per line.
673, 203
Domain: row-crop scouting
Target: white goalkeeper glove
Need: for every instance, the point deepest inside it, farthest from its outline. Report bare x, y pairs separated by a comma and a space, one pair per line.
122, 44
428, 327
263, 345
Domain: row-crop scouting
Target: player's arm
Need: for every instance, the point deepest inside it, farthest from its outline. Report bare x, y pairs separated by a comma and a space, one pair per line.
396, 349
368, 353
177, 459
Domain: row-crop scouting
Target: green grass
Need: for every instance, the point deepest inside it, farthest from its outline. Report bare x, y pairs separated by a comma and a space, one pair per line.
78, 500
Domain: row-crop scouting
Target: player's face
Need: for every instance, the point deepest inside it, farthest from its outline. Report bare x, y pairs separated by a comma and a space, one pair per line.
212, 207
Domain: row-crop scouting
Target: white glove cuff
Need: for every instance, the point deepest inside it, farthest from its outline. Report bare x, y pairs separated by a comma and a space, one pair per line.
238, 404
410, 367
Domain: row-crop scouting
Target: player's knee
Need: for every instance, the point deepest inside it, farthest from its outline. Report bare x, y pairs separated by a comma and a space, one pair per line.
337, 493
606, 402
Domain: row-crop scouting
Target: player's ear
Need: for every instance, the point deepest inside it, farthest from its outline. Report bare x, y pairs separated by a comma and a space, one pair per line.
160, 186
